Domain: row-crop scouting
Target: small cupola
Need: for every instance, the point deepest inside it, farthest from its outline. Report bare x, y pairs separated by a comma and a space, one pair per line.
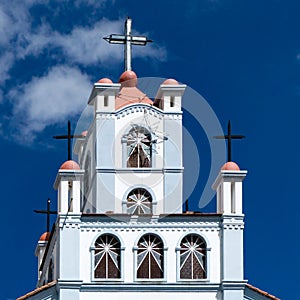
169, 95
129, 93
40, 249
103, 95
68, 184
229, 185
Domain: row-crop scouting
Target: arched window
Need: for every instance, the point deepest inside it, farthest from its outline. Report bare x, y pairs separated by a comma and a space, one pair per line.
139, 201
193, 256
107, 257
150, 257
139, 150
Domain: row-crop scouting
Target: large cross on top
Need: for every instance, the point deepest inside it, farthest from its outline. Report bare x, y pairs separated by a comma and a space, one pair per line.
229, 137
127, 39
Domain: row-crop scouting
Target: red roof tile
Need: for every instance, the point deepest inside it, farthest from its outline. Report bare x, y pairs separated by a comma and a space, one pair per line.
253, 288
38, 290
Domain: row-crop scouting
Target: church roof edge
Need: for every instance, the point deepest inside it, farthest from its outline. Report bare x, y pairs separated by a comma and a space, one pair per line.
38, 290
259, 291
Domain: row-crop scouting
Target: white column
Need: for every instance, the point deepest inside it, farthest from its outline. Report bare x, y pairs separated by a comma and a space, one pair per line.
63, 195
76, 196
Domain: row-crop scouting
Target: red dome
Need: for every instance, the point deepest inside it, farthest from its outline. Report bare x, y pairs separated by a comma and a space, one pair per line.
84, 133
128, 79
105, 80
230, 166
171, 81
70, 165
45, 237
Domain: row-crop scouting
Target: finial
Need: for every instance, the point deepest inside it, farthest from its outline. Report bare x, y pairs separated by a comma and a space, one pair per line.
127, 39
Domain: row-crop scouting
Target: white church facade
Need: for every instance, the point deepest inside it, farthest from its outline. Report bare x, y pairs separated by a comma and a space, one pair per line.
120, 231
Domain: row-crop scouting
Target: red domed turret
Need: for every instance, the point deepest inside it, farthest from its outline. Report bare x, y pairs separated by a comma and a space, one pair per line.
84, 133
171, 81
128, 79
105, 80
70, 165
230, 166
129, 93
45, 237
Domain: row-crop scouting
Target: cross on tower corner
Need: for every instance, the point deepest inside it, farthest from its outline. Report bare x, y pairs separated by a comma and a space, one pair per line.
128, 40
229, 137
48, 212
68, 137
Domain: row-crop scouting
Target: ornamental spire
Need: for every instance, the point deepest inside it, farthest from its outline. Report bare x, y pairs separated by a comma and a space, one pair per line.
127, 39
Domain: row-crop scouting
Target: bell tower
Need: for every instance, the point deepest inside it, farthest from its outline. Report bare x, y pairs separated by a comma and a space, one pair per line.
133, 151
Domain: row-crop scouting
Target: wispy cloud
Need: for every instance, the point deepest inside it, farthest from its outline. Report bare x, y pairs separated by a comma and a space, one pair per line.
47, 100
63, 88
6, 62
81, 45
94, 3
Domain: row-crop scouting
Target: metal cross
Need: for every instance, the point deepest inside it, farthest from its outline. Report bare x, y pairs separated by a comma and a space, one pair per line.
68, 137
48, 212
187, 205
229, 137
127, 39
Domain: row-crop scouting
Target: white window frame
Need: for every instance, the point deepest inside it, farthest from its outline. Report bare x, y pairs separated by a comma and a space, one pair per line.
208, 249
124, 201
135, 250
92, 250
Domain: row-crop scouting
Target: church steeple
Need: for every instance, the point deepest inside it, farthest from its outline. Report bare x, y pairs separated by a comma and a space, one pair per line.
120, 231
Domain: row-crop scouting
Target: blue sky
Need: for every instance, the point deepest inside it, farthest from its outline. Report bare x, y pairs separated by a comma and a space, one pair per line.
243, 57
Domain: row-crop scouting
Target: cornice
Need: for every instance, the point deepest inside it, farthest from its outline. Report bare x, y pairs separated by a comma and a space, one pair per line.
139, 170
152, 287
139, 107
163, 227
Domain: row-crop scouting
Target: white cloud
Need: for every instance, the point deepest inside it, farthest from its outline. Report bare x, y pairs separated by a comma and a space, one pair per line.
13, 24
6, 62
85, 46
49, 100
63, 90
94, 3
5, 24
